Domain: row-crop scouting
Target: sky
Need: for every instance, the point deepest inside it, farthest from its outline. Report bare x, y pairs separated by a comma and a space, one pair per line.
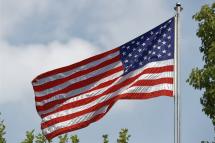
40, 35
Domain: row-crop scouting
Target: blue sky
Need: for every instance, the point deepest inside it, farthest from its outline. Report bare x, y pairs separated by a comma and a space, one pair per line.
39, 35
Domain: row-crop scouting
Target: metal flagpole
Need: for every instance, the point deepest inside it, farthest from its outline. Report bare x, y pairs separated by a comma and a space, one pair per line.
177, 112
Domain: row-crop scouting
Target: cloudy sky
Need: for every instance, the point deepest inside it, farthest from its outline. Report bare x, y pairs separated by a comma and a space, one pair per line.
39, 35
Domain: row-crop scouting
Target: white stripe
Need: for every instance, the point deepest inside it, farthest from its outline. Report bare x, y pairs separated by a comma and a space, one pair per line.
131, 74
101, 90
80, 68
148, 89
78, 79
82, 89
125, 89
74, 121
75, 92
136, 89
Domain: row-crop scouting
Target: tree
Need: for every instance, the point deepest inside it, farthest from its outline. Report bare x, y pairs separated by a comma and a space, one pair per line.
123, 136
2, 131
29, 137
40, 138
105, 138
204, 78
74, 139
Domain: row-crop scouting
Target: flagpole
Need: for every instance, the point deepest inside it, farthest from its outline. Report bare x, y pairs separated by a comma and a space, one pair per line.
177, 106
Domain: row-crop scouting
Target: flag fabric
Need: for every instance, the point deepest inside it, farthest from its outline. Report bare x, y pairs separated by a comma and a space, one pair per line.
72, 97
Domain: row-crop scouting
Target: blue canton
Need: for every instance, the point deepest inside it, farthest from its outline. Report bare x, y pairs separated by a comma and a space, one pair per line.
155, 45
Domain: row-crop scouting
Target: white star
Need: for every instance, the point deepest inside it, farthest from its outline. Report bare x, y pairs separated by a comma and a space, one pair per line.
169, 37
169, 54
154, 46
169, 21
123, 47
144, 44
139, 50
164, 35
145, 57
140, 63
159, 40
128, 47
133, 42
129, 54
163, 42
157, 33
134, 49
126, 61
159, 55
136, 56
147, 39
138, 43
169, 46
164, 26
151, 32
169, 29
164, 51
153, 53
124, 53
159, 47
141, 37
150, 52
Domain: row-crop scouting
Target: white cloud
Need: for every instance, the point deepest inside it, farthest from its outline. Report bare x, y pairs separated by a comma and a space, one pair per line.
20, 64
13, 12
104, 23
107, 23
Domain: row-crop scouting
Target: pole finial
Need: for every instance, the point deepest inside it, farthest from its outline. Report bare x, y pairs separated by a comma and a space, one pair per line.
178, 6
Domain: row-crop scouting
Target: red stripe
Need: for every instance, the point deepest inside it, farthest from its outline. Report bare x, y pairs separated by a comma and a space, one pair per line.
55, 102
101, 85
109, 101
146, 71
153, 82
109, 90
112, 89
76, 126
70, 67
90, 99
83, 83
87, 100
80, 113
147, 95
56, 82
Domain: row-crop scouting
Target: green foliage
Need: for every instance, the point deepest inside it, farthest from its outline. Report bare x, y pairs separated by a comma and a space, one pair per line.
29, 137
204, 78
40, 138
63, 139
2, 131
123, 136
105, 138
74, 139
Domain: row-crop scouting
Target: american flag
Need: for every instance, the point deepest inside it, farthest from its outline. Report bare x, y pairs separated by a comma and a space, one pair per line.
72, 97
